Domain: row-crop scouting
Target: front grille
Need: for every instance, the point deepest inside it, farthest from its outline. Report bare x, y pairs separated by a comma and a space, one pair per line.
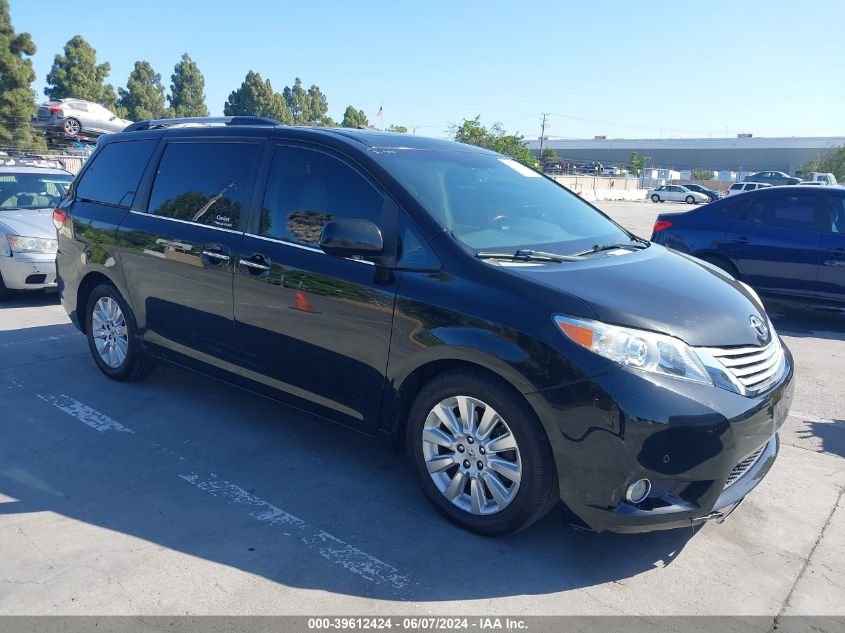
754, 369
744, 466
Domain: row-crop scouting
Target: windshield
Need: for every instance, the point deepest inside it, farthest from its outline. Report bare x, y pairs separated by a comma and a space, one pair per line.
489, 202
32, 191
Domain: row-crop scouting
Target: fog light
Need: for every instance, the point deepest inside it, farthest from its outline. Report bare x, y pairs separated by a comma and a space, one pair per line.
638, 491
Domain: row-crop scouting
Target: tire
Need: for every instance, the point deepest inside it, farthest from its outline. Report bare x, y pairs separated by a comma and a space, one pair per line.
72, 126
509, 509
134, 362
690, 200
722, 264
5, 293
655, 198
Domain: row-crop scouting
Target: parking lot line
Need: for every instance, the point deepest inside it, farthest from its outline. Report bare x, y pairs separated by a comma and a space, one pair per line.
330, 547
85, 414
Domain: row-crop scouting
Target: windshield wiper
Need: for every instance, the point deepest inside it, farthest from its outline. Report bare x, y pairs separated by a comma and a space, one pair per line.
632, 245
527, 255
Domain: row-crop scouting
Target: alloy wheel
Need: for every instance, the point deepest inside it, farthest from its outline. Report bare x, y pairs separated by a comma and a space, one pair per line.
471, 455
108, 328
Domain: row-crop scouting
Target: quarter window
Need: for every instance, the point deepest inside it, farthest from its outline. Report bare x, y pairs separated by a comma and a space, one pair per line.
307, 188
208, 183
114, 173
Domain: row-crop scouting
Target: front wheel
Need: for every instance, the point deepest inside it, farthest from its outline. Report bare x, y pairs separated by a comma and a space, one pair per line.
112, 335
479, 453
690, 200
655, 197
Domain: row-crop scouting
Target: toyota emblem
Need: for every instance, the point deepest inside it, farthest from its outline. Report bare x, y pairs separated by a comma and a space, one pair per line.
761, 328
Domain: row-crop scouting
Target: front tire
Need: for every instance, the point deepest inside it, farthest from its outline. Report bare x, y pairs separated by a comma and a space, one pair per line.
690, 200
479, 453
113, 335
655, 198
5, 293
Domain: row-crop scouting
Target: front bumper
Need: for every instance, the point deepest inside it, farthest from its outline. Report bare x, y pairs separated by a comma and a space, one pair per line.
28, 272
686, 438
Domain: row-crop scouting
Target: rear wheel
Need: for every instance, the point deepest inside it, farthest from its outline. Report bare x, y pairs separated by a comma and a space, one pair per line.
112, 335
479, 453
655, 197
72, 127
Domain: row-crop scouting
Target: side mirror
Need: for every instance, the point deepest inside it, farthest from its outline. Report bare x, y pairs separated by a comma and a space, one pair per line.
347, 238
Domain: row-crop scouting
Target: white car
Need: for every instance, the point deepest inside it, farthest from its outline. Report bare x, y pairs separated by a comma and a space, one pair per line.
810, 183
676, 193
742, 187
27, 234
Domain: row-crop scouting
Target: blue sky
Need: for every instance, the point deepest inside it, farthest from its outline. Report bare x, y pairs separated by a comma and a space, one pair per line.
623, 68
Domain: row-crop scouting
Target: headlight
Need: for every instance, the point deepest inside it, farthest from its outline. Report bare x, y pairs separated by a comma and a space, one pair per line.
646, 351
23, 244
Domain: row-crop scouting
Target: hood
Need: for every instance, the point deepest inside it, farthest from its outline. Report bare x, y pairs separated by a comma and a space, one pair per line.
28, 222
659, 290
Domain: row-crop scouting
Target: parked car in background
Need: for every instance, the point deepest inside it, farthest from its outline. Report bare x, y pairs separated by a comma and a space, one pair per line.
331, 268
742, 187
817, 183
676, 193
774, 178
611, 170
781, 240
27, 234
710, 193
825, 178
75, 117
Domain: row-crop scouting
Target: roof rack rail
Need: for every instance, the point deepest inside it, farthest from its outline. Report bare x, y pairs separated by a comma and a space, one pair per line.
201, 120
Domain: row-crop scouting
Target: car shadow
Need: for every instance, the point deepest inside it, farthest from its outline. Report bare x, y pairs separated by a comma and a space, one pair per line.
180, 427
801, 319
30, 299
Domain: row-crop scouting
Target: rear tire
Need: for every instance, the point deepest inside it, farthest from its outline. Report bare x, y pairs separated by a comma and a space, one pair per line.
655, 198
472, 490
72, 127
722, 264
113, 335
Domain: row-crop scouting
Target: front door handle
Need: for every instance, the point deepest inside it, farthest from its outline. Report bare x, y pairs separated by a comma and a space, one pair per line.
221, 257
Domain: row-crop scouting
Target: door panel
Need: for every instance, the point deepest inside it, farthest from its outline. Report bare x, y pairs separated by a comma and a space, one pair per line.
775, 244
316, 327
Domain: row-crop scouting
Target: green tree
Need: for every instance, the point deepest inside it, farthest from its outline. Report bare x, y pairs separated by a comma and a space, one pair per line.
298, 102
354, 118
702, 174
637, 163
143, 97
17, 98
77, 74
473, 132
398, 128
318, 107
549, 154
833, 162
187, 89
256, 97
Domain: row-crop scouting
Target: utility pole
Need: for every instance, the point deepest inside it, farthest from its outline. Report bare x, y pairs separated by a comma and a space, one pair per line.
543, 126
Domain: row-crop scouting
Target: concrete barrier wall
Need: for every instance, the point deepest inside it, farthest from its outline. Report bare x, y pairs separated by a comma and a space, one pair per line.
597, 188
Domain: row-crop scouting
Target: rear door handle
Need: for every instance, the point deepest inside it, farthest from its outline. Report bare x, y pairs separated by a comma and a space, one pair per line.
254, 265
222, 257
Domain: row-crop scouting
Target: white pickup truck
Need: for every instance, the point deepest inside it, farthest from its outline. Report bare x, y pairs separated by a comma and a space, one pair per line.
824, 178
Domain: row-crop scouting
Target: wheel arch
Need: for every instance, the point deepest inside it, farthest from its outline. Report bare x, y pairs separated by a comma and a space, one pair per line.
90, 281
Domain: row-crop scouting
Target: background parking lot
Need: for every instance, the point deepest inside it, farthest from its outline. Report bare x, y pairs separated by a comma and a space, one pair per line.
179, 494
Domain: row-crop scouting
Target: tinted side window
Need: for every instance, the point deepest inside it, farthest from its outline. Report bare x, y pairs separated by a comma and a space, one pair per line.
307, 188
115, 172
206, 182
833, 214
414, 252
793, 211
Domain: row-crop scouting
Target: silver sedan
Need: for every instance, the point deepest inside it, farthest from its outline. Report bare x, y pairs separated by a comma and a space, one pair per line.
676, 193
75, 117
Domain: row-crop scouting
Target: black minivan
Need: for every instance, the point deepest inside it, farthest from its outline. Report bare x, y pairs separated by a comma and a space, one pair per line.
524, 347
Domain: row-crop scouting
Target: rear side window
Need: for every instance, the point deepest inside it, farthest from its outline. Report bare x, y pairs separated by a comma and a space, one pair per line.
114, 173
736, 187
308, 188
206, 182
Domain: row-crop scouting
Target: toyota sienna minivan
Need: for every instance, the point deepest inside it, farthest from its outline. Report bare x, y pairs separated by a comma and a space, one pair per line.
522, 346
